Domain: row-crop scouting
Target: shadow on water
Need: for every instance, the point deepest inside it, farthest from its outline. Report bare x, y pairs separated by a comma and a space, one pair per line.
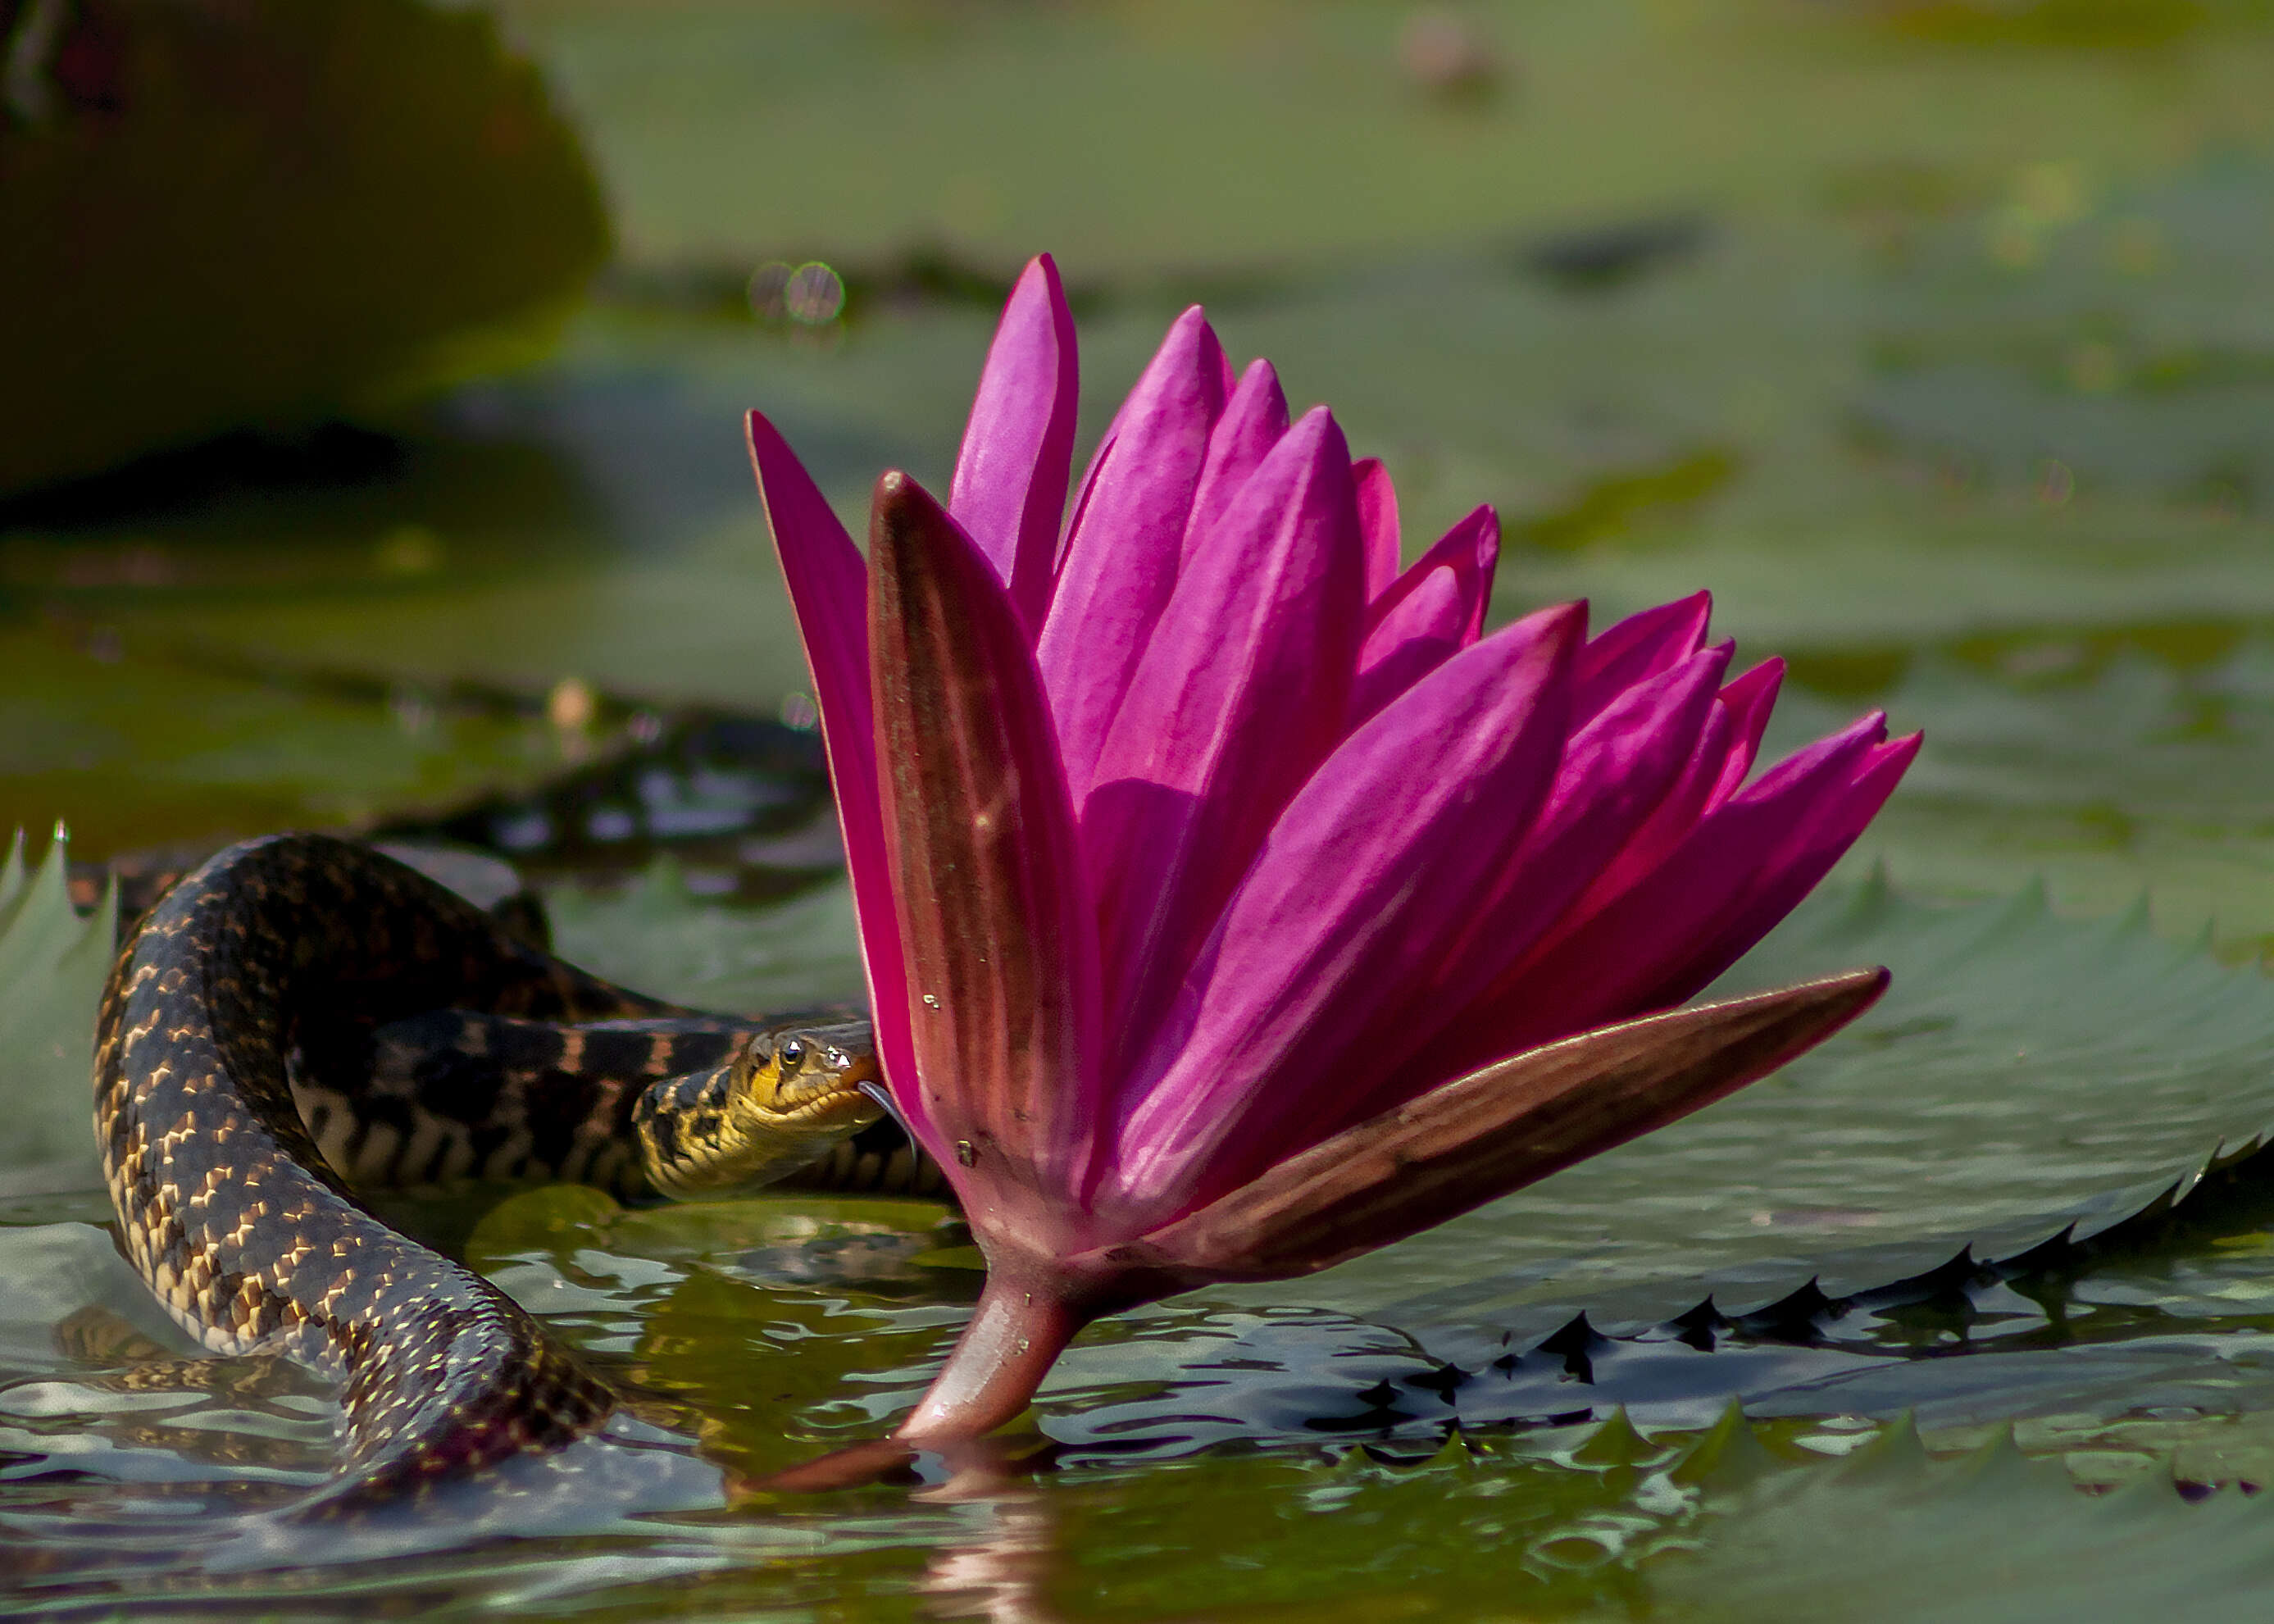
554, 467
534, 471
330, 458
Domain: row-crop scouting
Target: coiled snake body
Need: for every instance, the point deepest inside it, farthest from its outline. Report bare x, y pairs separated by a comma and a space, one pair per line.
302, 1016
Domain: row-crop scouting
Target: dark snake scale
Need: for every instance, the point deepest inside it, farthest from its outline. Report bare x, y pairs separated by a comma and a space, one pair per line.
303, 1017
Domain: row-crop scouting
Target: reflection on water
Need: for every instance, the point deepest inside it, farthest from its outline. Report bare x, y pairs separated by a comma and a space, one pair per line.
1002, 1575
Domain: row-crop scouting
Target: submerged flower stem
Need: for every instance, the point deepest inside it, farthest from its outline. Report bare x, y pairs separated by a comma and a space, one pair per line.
1018, 1332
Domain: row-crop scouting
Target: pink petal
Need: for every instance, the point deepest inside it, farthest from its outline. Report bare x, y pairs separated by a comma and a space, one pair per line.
1254, 419
1641, 646
1748, 700
995, 914
1367, 875
1487, 544
1616, 772
1011, 476
1688, 799
1795, 870
1239, 695
1421, 631
1466, 552
829, 589
1716, 769
1122, 551
1431, 611
1377, 521
1606, 966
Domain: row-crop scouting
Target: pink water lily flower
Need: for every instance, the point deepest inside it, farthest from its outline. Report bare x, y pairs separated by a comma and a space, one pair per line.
1230, 904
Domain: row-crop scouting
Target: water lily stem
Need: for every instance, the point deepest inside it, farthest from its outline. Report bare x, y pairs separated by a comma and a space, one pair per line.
1016, 1334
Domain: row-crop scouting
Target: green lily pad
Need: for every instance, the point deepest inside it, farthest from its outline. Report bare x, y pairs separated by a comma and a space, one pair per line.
653, 935
2025, 1072
52, 963
1889, 1534
2109, 762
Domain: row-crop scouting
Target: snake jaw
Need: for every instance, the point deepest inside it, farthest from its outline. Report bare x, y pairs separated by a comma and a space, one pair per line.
784, 1102
786, 1099
802, 1079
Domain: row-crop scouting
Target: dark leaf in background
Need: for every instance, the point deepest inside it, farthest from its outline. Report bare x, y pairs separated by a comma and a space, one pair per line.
232, 215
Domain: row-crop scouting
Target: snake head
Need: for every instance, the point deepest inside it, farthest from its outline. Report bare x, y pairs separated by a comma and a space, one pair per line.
784, 1100
805, 1078
792, 1093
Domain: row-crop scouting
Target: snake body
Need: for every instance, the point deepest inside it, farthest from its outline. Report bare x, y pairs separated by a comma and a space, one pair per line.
302, 1016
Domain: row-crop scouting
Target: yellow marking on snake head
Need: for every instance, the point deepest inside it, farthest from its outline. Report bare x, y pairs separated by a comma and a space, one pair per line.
791, 1095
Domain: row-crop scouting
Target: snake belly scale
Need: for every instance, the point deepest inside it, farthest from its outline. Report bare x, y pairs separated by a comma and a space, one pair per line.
302, 1016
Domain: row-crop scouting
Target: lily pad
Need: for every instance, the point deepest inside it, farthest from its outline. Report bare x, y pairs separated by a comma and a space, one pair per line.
653, 935
2026, 1072
1892, 1535
52, 963
2109, 760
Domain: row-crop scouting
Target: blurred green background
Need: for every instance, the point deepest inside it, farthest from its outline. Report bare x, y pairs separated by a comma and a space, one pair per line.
1933, 337
373, 441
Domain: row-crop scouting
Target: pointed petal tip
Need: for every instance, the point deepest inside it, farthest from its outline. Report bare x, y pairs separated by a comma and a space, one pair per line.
902, 514
1565, 621
1714, 657
900, 507
1695, 611
1316, 424
769, 450
1750, 683
1009, 488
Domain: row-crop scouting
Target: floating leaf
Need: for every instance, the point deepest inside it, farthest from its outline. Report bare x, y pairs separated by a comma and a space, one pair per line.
1890, 1535
52, 963
2108, 759
657, 937
2024, 1072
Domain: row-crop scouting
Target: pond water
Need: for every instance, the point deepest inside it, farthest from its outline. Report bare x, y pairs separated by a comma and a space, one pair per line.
1933, 339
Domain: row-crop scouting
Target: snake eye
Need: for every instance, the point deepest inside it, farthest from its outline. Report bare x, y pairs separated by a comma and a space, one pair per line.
791, 1055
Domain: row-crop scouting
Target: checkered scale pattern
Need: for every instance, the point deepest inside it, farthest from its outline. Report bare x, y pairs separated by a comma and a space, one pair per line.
302, 1016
